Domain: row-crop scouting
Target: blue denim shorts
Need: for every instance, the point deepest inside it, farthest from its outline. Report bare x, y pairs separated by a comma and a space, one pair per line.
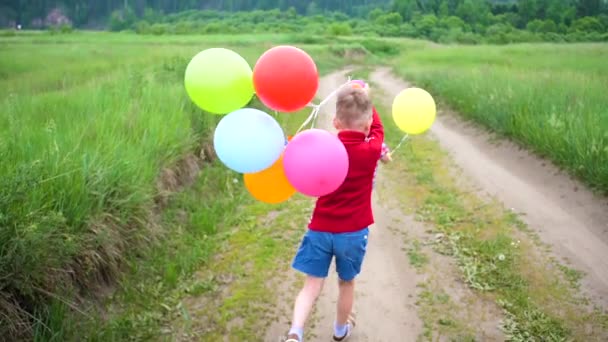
318, 249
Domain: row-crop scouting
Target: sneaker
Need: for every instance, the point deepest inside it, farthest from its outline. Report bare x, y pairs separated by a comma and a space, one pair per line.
350, 325
292, 338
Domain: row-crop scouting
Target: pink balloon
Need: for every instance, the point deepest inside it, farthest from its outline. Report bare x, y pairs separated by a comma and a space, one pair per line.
315, 162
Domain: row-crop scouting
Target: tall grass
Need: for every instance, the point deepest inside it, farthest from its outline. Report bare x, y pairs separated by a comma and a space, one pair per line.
79, 170
549, 97
88, 123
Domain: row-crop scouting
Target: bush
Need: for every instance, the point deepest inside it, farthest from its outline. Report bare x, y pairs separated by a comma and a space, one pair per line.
348, 50
498, 38
380, 47
8, 33
452, 22
185, 27
142, 27
426, 24
408, 30
339, 29
389, 19
213, 28
468, 38
498, 29
160, 29
66, 28
121, 20
437, 33
62, 29
588, 24
306, 39
315, 29
594, 37
553, 37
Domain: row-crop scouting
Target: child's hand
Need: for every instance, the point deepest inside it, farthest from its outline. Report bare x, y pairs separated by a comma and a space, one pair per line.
386, 158
386, 154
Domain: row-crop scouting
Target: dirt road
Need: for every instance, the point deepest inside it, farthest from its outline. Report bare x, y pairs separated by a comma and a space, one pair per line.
569, 218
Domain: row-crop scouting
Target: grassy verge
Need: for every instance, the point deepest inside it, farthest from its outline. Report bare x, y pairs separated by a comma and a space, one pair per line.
252, 264
494, 254
548, 97
438, 312
83, 144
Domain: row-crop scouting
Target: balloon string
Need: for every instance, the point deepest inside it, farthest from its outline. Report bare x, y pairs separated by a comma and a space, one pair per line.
312, 115
335, 92
405, 137
312, 118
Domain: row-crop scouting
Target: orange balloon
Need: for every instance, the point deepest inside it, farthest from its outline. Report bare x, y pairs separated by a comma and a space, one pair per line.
270, 185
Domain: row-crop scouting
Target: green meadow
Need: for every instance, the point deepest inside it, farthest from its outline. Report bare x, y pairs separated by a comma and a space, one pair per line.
92, 123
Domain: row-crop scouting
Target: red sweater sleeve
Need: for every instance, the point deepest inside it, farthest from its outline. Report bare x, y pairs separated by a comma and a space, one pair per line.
376, 132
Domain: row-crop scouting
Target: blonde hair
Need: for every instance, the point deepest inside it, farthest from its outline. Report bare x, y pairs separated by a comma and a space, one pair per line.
353, 107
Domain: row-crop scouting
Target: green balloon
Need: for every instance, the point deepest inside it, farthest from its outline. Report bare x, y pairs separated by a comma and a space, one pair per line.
219, 81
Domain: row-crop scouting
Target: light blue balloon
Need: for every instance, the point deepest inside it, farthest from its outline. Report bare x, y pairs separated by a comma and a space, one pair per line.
248, 140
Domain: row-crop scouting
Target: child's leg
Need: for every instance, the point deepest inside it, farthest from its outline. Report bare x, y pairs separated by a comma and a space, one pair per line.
313, 259
350, 251
346, 298
305, 301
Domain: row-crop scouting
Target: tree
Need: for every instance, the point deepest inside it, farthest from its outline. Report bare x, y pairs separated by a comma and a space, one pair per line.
474, 11
406, 8
527, 10
373, 15
392, 18
588, 24
444, 9
426, 24
312, 8
589, 8
560, 10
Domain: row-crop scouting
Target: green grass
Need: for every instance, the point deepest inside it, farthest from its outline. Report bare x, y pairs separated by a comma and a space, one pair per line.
416, 257
90, 120
439, 314
148, 291
549, 97
494, 254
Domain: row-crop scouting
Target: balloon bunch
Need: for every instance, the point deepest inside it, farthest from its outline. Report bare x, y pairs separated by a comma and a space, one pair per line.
314, 162
252, 142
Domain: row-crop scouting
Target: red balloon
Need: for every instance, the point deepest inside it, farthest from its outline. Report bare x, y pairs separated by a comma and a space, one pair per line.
285, 78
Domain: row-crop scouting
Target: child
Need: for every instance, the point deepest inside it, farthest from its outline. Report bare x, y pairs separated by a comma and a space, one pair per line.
340, 220
385, 156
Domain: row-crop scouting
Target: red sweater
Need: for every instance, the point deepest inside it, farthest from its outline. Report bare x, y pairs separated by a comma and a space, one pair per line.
349, 208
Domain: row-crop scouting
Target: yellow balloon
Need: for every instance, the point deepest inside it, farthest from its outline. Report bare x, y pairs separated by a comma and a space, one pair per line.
414, 110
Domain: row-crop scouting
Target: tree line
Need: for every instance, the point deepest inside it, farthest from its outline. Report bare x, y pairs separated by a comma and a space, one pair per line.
518, 13
83, 12
461, 21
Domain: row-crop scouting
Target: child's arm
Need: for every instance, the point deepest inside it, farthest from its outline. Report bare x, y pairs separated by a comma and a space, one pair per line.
376, 132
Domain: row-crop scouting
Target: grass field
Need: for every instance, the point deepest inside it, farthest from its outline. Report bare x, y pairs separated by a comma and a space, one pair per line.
90, 120
549, 97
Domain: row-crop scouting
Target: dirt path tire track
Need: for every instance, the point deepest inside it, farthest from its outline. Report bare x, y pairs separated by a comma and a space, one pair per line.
566, 216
